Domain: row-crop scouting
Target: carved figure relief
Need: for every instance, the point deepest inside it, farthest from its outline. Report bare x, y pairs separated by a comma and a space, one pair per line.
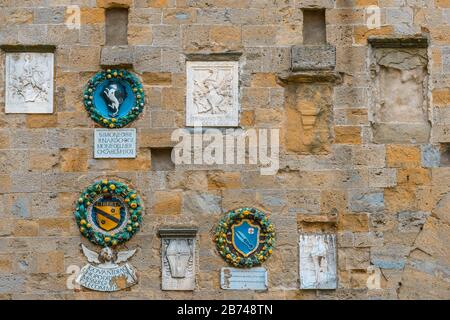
317, 261
106, 274
29, 82
212, 93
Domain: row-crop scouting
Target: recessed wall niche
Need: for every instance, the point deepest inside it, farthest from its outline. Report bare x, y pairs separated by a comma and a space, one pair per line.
314, 27
399, 96
116, 26
162, 159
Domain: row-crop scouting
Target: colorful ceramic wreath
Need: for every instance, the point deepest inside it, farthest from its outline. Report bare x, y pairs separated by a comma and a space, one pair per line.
129, 103
108, 213
264, 241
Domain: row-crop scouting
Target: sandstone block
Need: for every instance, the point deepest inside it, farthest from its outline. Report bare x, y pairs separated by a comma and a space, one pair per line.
347, 134
157, 3
202, 203
12, 284
411, 221
156, 138
258, 35
382, 178
400, 198
401, 133
53, 15
73, 160
320, 57
166, 36
116, 56
139, 35
26, 228
353, 222
431, 156
52, 262
167, 203
389, 256
157, 78
114, 3
179, 16
224, 180
403, 156
414, 177
147, 59
353, 258
366, 201
92, 15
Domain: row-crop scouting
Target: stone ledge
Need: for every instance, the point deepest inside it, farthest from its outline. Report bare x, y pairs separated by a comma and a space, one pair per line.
177, 232
214, 56
313, 218
28, 48
309, 77
109, 4
313, 57
414, 42
117, 56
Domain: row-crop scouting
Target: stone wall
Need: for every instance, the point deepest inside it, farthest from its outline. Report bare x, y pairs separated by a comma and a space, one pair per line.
361, 143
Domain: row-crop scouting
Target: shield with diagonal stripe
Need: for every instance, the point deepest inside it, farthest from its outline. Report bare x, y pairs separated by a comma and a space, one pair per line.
245, 237
107, 212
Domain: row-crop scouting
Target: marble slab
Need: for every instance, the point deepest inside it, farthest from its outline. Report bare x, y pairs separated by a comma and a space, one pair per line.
29, 82
212, 93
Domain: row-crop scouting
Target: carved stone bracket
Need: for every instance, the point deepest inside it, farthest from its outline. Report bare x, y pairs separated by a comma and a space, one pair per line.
117, 56
177, 232
412, 42
287, 78
214, 56
313, 57
28, 48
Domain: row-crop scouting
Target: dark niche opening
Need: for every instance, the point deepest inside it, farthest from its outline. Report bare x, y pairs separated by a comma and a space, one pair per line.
314, 27
116, 26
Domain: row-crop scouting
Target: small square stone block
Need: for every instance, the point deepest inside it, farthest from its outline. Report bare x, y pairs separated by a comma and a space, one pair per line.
317, 57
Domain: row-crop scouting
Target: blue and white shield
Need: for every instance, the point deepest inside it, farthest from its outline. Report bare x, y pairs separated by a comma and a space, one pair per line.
245, 237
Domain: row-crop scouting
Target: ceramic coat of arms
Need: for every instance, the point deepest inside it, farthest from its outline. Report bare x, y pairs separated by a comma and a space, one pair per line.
114, 98
108, 213
245, 237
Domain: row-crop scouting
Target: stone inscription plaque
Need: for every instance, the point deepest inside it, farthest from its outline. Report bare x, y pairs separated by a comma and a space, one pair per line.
107, 280
318, 261
118, 143
244, 279
212, 93
29, 82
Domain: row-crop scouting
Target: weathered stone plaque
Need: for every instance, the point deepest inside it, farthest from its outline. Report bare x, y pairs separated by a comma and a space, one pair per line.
243, 279
178, 259
318, 261
29, 82
117, 143
212, 93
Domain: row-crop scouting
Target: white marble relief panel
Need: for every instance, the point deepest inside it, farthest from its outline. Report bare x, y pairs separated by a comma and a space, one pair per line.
212, 93
29, 82
318, 261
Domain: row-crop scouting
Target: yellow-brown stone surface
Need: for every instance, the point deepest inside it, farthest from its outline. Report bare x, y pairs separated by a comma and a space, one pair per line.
381, 183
